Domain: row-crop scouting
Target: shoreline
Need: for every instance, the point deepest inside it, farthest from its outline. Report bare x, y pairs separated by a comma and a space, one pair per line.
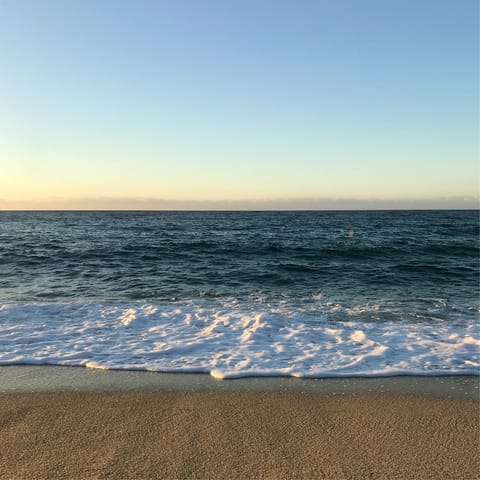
49, 378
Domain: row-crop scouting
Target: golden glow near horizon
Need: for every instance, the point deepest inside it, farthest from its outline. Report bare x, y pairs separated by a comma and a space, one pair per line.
42, 184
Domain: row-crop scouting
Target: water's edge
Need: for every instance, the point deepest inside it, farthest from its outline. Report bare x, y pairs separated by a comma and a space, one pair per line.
37, 379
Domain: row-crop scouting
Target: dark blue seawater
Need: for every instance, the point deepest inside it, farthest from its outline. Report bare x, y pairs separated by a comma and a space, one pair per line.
163, 255
296, 268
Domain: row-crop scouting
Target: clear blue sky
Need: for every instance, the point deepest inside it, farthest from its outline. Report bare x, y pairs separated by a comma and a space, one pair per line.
237, 100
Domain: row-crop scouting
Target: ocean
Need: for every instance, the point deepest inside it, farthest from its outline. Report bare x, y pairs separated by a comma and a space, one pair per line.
235, 294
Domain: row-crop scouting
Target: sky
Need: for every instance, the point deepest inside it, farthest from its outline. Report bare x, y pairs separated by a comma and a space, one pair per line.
239, 104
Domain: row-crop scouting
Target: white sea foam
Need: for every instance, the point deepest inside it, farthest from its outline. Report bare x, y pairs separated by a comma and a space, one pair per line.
231, 339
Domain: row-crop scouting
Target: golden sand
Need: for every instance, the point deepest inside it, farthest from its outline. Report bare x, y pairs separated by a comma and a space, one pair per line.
240, 434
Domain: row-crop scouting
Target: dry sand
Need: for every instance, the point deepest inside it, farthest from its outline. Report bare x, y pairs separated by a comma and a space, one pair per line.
237, 435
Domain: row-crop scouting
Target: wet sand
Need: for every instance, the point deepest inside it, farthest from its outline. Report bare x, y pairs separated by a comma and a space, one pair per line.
237, 434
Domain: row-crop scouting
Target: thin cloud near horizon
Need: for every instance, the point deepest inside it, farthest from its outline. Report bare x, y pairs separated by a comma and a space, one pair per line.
125, 203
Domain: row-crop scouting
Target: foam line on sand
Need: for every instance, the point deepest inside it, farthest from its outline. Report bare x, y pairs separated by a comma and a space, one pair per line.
28, 378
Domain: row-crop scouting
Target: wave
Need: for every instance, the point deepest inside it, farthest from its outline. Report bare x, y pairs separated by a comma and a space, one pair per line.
231, 338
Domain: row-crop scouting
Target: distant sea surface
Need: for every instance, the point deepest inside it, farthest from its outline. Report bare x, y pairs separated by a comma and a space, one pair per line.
308, 294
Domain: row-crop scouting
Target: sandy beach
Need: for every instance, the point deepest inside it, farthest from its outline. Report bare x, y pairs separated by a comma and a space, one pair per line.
237, 434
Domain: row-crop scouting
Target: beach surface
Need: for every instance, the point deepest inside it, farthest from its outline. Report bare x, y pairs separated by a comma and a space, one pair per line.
289, 431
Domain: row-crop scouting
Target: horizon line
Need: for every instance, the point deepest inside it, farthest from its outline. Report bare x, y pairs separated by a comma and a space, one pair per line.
420, 209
